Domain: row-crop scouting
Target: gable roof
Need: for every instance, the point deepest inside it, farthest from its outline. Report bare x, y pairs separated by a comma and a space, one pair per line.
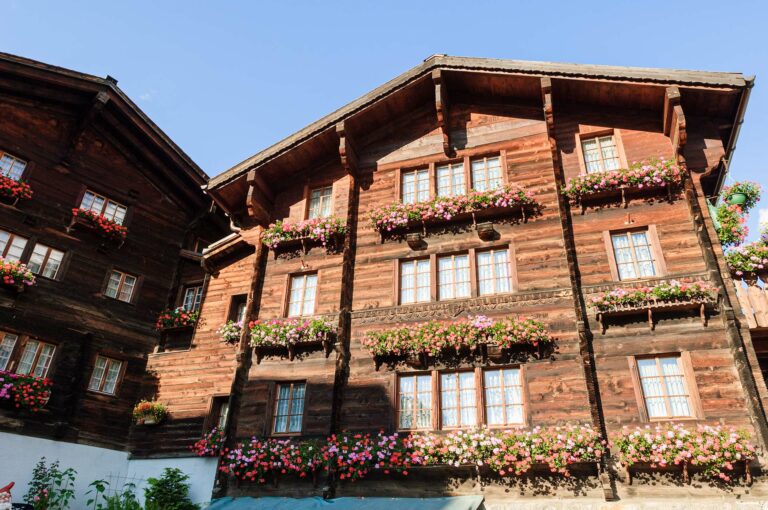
644, 75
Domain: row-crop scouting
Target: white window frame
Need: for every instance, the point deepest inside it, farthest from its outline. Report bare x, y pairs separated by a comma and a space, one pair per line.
320, 202
15, 163
420, 191
665, 396
41, 358
120, 290
307, 306
649, 244
41, 263
291, 402
195, 300
601, 159
484, 171
410, 282
100, 375
11, 243
454, 284
504, 404
110, 209
7, 347
456, 185
496, 278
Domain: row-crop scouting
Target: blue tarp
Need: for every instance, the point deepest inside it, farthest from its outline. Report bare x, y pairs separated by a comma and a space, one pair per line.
317, 503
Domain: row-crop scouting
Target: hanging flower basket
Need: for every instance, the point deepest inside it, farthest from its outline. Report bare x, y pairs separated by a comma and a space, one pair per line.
745, 194
748, 260
11, 190
15, 276
149, 413
96, 222
472, 206
287, 336
176, 319
284, 235
24, 391
665, 296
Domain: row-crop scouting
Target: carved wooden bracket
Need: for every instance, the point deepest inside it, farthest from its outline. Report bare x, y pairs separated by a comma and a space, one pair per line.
98, 103
441, 106
260, 198
347, 151
674, 121
549, 117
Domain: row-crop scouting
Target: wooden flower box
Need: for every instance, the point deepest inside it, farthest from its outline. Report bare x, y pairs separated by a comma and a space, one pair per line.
683, 468
499, 354
178, 329
623, 195
291, 350
648, 308
83, 223
14, 289
304, 244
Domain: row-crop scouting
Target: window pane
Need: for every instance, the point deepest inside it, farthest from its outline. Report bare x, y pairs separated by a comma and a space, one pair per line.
309, 294
6, 349
450, 180
126, 292
35, 263
320, 202
98, 373
12, 167
87, 202
113, 285
28, 357
112, 375
43, 361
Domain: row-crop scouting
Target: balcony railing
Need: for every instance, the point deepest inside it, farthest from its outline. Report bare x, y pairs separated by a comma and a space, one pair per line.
753, 298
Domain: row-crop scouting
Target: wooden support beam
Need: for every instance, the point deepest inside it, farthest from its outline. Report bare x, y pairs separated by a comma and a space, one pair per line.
549, 117
98, 103
674, 121
258, 203
442, 109
347, 151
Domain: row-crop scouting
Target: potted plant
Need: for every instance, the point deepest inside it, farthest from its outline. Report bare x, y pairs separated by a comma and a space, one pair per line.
11, 190
176, 318
15, 275
231, 331
745, 194
149, 413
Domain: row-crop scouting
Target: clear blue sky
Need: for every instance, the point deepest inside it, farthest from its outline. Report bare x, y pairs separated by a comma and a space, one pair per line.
227, 79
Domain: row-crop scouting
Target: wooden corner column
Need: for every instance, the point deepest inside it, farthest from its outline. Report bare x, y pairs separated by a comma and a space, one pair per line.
442, 109
586, 350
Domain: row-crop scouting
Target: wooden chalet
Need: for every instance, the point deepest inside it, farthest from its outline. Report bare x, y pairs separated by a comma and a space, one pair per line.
113, 232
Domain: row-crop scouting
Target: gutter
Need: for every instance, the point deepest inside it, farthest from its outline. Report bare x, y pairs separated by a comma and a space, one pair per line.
738, 122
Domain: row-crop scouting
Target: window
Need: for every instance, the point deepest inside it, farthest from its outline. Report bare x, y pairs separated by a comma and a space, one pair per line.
106, 372
237, 308
486, 173
453, 277
600, 154
36, 358
11, 166
493, 272
11, 245
289, 408
503, 397
320, 202
414, 281
415, 186
45, 261
450, 180
414, 409
301, 300
7, 344
192, 298
664, 387
121, 286
633, 254
104, 206
458, 399
222, 413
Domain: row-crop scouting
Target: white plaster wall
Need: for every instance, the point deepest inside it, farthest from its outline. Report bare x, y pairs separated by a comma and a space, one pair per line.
19, 454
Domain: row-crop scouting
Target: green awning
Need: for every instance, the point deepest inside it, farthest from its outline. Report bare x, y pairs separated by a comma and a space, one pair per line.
317, 503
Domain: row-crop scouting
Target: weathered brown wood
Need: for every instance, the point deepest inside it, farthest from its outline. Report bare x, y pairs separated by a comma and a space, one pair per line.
442, 109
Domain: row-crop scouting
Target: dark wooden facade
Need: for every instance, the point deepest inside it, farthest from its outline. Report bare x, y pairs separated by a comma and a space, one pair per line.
78, 132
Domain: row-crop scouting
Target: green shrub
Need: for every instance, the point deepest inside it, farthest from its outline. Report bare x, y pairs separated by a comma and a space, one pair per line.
169, 492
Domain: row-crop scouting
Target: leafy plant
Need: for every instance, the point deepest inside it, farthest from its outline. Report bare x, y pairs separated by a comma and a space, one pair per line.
640, 296
175, 318
733, 229
125, 500
749, 189
230, 332
14, 273
657, 173
284, 332
322, 230
211, 444
169, 492
145, 408
50, 488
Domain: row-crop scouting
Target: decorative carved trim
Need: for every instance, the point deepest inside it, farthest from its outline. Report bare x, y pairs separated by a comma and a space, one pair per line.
441, 107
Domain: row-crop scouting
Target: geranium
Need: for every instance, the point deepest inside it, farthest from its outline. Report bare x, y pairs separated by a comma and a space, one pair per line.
25, 391
231, 331
713, 449
733, 225
698, 291
433, 337
748, 259
748, 188
13, 273
355, 455
210, 445
321, 230
253, 460
146, 408
14, 189
285, 332
399, 215
176, 318
108, 228
656, 173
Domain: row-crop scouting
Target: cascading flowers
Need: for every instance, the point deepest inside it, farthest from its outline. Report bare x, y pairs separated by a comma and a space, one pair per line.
230, 332
733, 224
639, 296
211, 444
748, 259
253, 460
14, 189
433, 337
750, 190
656, 173
108, 228
13, 273
176, 318
713, 449
285, 332
25, 391
322, 230
399, 215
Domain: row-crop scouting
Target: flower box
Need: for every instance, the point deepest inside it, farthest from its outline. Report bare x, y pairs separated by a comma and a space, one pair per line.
748, 261
11, 190
106, 228
231, 332
286, 236
211, 444
15, 276
645, 179
24, 391
475, 206
712, 451
290, 336
176, 319
475, 335
663, 297
149, 413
